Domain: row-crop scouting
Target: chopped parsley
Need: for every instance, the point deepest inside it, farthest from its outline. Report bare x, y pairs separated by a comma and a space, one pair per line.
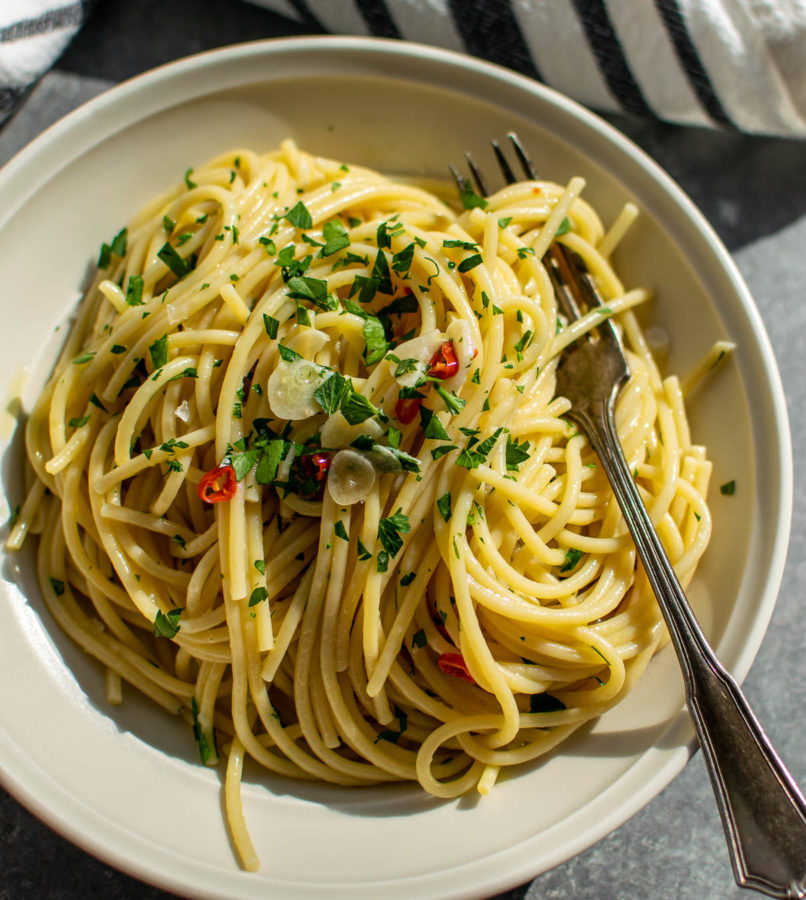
258, 595
167, 624
176, 263
517, 453
444, 506
543, 703
728, 488
453, 404
299, 216
469, 263
159, 352
564, 227
470, 199
476, 453
433, 429
390, 529
336, 238
375, 338
134, 291
572, 557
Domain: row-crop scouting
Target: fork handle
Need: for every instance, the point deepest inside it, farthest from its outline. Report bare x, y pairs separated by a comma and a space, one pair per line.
763, 812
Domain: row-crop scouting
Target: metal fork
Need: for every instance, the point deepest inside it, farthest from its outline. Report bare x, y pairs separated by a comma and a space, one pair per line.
763, 812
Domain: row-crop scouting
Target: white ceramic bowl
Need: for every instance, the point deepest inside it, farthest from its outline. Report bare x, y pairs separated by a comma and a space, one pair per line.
125, 783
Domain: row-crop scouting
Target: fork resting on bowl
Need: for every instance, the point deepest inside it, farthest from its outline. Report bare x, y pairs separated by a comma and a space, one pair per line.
762, 809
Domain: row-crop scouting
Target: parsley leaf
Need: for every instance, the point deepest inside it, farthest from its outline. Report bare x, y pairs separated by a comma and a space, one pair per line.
433, 429
564, 227
299, 216
470, 263
542, 703
380, 273
517, 453
375, 338
470, 199
367, 287
159, 352
473, 456
356, 408
453, 403
167, 625
270, 459
572, 557
134, 291
330, 394
176, 263
243, 463
390, 529
258, 595
271, 325
287, 353
439, 452
444, 506
336, 237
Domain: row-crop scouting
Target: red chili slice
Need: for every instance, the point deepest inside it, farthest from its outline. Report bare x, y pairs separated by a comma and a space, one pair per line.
218, 484
444, 363
406, 409
454, 664
316, 465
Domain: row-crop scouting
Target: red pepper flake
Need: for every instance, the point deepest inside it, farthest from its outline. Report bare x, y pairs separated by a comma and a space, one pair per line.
454, 664
537, 191
218, 484
444, 363
406, 409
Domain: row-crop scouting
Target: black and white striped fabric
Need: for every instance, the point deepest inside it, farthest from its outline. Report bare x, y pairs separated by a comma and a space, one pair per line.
33, 34
737, 64
729, 63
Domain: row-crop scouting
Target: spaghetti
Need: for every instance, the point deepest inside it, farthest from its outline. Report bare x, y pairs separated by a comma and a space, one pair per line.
301, 476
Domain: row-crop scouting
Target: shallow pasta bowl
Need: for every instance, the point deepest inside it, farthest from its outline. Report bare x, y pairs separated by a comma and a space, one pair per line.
125, 783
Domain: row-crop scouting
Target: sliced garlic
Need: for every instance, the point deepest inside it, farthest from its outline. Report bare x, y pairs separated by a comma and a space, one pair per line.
460, 334
422, 349
337, 432
284, 468
183, 411
350, 478
291, 387
306, 341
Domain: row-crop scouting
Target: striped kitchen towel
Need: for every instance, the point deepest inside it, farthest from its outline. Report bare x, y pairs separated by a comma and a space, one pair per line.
33, 34
730, 63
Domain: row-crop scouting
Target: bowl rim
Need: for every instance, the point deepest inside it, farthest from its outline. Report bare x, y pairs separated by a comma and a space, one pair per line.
112, 109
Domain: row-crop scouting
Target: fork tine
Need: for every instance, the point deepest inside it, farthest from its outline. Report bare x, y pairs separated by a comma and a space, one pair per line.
523, 158
503, 165
565, 286
457, 177
478, 178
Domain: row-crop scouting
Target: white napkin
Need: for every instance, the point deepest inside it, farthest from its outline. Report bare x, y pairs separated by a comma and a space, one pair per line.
731, 63
737, 64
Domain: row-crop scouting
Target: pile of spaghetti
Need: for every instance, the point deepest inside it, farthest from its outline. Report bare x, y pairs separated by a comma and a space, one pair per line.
301, 476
